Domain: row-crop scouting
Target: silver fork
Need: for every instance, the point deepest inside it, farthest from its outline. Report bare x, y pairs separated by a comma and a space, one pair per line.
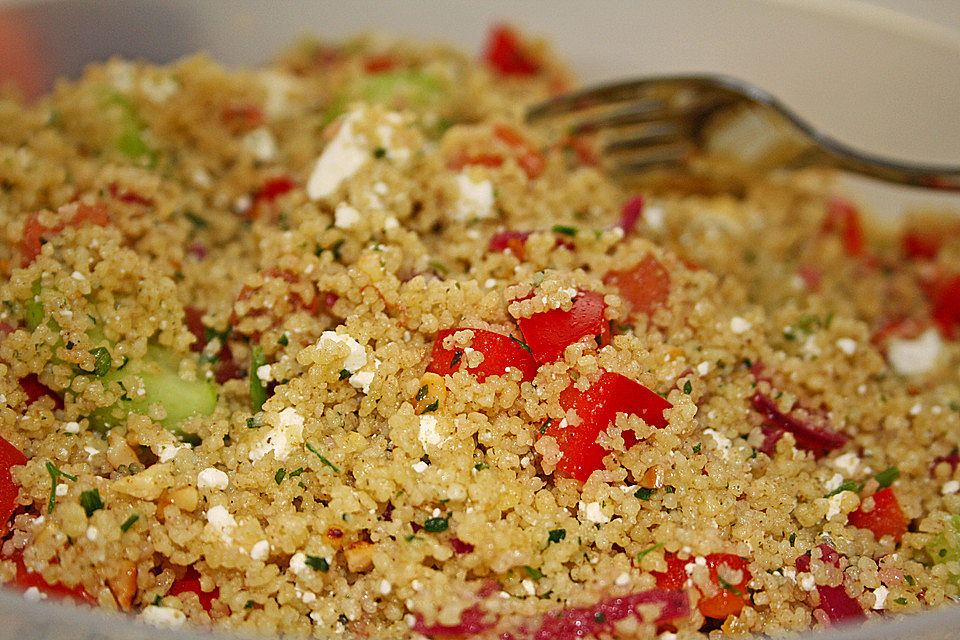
665, 122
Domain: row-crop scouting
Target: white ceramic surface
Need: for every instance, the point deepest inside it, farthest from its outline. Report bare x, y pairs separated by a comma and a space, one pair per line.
872, 76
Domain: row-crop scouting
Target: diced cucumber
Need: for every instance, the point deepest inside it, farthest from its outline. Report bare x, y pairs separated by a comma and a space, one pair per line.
945, 546
412, 87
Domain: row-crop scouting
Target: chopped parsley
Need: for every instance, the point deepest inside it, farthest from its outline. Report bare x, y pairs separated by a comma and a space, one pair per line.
90, 501
101, 361
726, 586
523, 345
846, 485
887, 476
697, 447
379, 153
55, 475
252, 424
344, 374
793, 538
280, 475
322, 459
533, 573
258, 390
565, 230
901, 601
129, 522
433, 406
421, 393
318, 564
643, 493
436, 525
480, 466
687, 388
456, 357
648, 550
556, 535
283, 340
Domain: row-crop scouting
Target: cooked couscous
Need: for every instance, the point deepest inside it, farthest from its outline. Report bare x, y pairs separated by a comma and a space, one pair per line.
342, 347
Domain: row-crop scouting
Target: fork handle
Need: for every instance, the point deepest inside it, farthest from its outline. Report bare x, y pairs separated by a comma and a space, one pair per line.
833, 154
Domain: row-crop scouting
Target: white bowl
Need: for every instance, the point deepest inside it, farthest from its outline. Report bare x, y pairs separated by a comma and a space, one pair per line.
882, 80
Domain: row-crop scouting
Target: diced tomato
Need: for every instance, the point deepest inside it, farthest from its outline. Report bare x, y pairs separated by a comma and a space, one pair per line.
34, 232
262, 206
500, 352
597, 407
834, 601
812, 276
242, 117
530, 159
886, 518
515, 241
645, 286
192, 318
35, 390
920, 244
190, 582
844, 218
25, 579
505, 55
909, 328
130, 197
731, 597
548, 333
10, 457
380, 63
945, 302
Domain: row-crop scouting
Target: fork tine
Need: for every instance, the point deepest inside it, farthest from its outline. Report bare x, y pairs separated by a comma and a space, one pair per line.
654, 133
669, 155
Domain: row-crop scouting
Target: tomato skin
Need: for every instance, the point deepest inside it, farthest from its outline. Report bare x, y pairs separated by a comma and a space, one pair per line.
886, 518
945, 301
10, 457
645, 286
597, 407
504, 54
499, 353
34, 231
548, 333
721, 605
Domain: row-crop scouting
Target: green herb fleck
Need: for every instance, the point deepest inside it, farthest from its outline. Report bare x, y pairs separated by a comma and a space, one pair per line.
455, 360
90, 501
283, 340
157, 601
421, 393
697, 447
887, 476
298, 472
911, 581
344, 374
901, 601
252, 424
532, 573
436, 525
322, 459
726, 586
318, 564
688, 388
412, 537
643, 493
280, 475
565, 230
669, 489
101, 361
195, 219
379, 153
432, 406
522, 344
643, 553
556, 535
55, 475
437, 266
480, 466
129, 522
258, 390
846, 485
249, 604
793, 538
599, 617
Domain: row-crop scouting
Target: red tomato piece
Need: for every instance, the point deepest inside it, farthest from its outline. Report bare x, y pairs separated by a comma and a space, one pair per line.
530, 159
500, 352
597, 407
886, 518
548, 333
10, 457
834, 601
509, 239
35, 390
844, 218
504, 54
731, 597
34, 231
945, 302
645, 286
380, 63
242, 117
26, 579
190, 582
920, 244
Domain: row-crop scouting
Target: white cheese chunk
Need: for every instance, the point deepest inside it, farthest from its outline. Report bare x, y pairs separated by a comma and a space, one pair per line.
428, 431
739, 325
341, 158
222, 522
163, 616
211, 478
476, 198
261, 144
357, 356
345, 216
910, 357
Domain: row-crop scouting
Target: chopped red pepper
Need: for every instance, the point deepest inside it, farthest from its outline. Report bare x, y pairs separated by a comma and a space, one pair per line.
844, 218
10, 457
920, 244
886, 518
500, 352
730, 598
834, 601
190, 582
241, 118
645, 286
808, 437
548, 333
34, 232
505, 55
597, 407
380, 63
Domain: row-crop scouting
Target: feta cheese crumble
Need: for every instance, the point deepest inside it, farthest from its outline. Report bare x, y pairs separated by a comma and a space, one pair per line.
345, 216
911, 357
211, 478
476, 198
738, 325
340, 159
163, 616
